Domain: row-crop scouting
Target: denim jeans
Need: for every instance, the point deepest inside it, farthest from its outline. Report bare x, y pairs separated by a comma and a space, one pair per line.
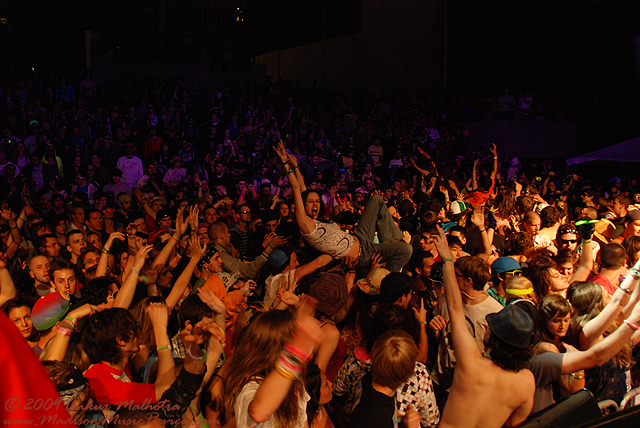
394, 251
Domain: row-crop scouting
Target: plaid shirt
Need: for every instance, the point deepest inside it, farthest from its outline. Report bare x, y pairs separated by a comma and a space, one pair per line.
418, 390
178, 346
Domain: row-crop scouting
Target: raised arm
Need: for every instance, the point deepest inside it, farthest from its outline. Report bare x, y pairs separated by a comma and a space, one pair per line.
276, 385
159, 316
466, 349
477, 219
103, 264
125, 295
181, 228
586, 262
60, 342
305, 223
605, 349
494, 151
7, 287
197, 251
626, 296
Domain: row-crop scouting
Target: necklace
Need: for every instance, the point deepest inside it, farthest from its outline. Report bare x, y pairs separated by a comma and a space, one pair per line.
469, 297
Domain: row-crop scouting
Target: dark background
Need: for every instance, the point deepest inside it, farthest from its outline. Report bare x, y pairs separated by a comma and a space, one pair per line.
579, 53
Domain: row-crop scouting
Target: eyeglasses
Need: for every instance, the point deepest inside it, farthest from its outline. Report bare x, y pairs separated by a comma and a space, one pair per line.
245, 212
568, 241
515, 272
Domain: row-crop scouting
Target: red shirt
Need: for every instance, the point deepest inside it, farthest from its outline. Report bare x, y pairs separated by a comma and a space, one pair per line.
114, 387
606, 284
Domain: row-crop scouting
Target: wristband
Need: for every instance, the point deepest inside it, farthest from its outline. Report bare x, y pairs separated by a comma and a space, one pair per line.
24, 220
104, 250
204, 354
635, 273
481, 230
579, 375
71, 319
423, 322
626, 290
632, 325
174, 237
448, 259
64, 331
160, 348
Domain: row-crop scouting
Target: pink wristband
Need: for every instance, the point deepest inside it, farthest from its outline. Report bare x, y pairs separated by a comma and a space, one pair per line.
64, 331
632, 325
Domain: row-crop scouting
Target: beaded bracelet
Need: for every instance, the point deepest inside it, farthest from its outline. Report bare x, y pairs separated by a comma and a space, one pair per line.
632, 325
174, 237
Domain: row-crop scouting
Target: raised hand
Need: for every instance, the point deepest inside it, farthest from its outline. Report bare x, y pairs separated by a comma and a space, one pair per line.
376, 261
158, 314
477, 218
287, 297
209, 298
194, 211
440, 240
438, 323
421, 314
197, 249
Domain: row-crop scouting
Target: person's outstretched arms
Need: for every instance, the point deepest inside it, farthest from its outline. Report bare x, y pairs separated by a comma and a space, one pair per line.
159, 316
466, 349
305, 223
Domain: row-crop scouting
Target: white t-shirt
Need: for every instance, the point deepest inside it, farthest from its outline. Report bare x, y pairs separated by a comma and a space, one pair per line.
245, 397
328, 238
272, 284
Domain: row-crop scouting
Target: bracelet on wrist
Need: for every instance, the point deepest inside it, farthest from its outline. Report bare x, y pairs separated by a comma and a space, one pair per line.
64, 331
626, 290
632, 325
423, 322
106, 250
447, 259
579, 375
202, 358
163, 347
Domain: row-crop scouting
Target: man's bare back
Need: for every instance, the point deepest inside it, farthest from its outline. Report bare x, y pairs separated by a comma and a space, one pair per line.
486, 396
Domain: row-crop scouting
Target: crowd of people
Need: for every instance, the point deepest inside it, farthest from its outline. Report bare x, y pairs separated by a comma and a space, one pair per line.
267, 255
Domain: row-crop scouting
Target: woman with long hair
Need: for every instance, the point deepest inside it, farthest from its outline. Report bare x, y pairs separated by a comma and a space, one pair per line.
595, 318
262, 379
320, 393
552, 325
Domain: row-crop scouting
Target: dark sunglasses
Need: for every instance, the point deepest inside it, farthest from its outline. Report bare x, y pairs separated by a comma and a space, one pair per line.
568, 241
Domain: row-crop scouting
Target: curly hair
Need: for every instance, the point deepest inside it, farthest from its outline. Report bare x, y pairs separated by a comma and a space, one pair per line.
506, 356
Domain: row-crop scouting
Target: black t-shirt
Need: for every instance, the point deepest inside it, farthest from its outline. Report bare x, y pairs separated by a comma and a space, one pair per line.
375, 410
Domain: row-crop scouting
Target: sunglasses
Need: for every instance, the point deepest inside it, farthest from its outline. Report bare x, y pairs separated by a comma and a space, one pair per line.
515, 272
568, 241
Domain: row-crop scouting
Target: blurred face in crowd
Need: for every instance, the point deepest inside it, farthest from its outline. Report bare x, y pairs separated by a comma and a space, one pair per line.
77, 243
39, 270
632, 228
21, 318
91, 259
64, 280
567, 240
270, 226
52, 248
78, 216
215, 263
96, 221
210, 215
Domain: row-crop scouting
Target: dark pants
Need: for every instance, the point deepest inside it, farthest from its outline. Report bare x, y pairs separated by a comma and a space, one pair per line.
394, 251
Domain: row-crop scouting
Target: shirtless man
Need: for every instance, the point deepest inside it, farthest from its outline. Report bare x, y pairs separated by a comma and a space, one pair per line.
486, 392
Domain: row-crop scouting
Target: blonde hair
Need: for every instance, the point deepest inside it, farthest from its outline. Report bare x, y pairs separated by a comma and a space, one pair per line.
520, 283
393, 359
586, 300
